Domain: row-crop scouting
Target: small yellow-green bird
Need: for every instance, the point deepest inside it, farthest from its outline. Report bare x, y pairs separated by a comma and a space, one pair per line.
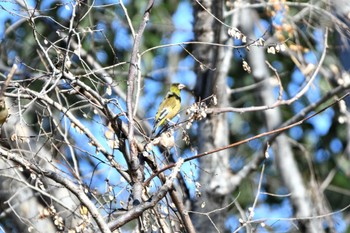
169, 107
3, 111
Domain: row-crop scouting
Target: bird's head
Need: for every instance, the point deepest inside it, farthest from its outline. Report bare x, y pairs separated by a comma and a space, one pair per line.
176, 87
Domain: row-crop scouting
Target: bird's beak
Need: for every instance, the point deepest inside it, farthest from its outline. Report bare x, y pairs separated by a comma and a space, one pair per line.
181, 86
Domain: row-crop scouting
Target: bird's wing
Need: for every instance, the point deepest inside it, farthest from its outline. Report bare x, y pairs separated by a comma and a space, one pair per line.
164, 112
165, 109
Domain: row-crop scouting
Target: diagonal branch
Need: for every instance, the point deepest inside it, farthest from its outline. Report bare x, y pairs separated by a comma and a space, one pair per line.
295, 121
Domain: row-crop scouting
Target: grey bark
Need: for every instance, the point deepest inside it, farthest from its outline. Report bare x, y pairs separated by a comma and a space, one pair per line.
212, 131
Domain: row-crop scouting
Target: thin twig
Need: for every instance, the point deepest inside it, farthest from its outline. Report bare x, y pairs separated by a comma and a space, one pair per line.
8, 80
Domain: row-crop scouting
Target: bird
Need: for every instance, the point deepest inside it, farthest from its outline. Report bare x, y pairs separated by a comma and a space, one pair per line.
169, 107
3, 111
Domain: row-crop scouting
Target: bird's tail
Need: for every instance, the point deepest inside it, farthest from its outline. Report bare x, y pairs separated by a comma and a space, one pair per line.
153, 131
155, 127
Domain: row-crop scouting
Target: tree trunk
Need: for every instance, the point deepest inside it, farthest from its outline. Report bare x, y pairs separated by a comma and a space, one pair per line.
285, 161
212, 131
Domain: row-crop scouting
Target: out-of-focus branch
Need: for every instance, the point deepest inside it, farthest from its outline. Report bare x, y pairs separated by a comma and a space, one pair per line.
278, 102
